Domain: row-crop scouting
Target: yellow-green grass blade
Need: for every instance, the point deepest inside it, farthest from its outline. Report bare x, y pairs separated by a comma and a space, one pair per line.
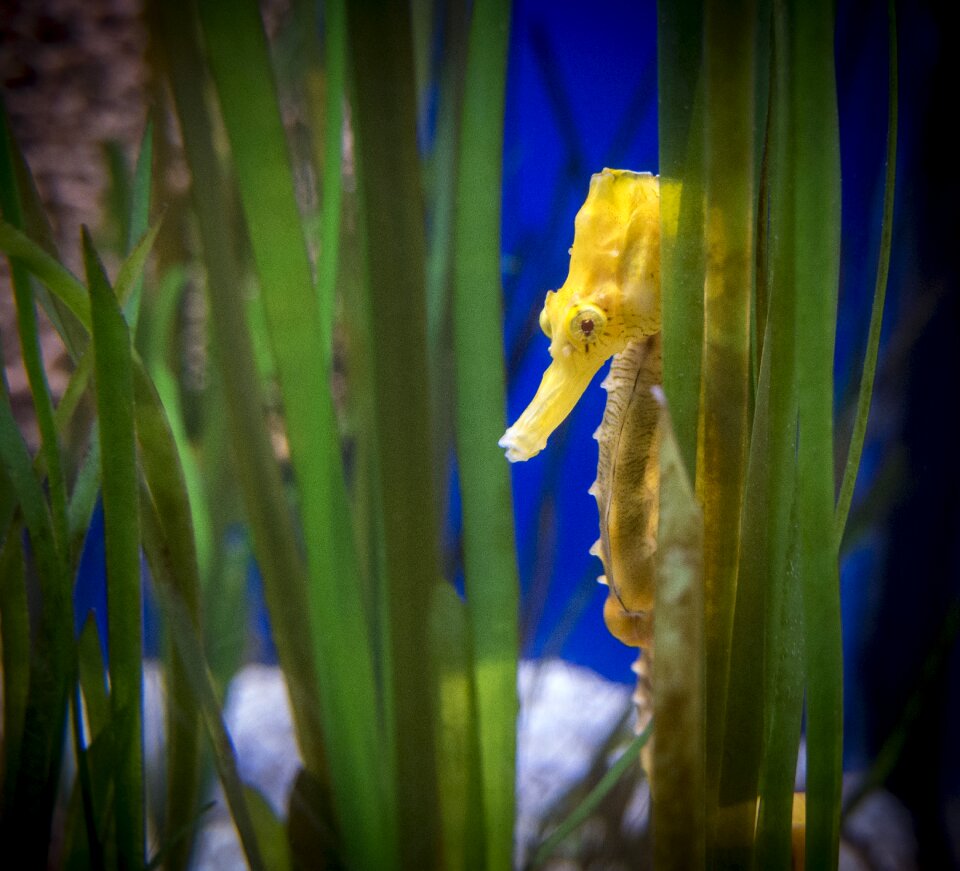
113, 370
93, 736
177, 614
91, 674
130, 275
159, 859
743, 722
341, 639
37, 226
224, 574
464, 834
393, 253
83, 497
93, 843
629, 758
81, 803
440, 180
163, 316
783, 710
254, 465
813, 151
89, 716
879, 293
63, 283
679, 776
10, 206
162, 470
138, 221
335, 74
729, 229
680, 119
783, 684
66, 289
270, 830
70, 294
760, 743
49, 270
490, 558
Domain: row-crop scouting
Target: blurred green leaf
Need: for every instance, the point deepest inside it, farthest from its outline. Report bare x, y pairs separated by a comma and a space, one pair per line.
729, 78
392, 242
30, 788
163, 474
92, 675
114, 381
86, 489
16, 656
91, 841
137, 222
311, 826
29, 216
335, 74
678, 778
464, 833
490, 559
49, 270
253, 463
784, 673
340, 633
783, 706
177, 837
629, 758
271, 832
879, 293
682, 179
130, 276
813, 148
183, 631
30, 351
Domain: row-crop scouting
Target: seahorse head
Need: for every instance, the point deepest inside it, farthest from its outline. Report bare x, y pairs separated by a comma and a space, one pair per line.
611, 296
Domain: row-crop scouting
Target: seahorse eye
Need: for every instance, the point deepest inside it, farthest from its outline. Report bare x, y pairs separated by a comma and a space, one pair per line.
545, 323
585, 324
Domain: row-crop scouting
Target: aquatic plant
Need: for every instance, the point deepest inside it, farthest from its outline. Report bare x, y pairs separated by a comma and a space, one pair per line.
403, 693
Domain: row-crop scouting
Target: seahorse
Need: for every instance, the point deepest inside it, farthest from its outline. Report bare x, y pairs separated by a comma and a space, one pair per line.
609, 306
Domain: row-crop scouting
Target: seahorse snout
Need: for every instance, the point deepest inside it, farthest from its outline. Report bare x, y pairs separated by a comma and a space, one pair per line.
562, 385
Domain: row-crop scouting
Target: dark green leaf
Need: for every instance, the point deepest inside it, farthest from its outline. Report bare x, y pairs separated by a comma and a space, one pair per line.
678, 777
490, 559
341, 645
113, 371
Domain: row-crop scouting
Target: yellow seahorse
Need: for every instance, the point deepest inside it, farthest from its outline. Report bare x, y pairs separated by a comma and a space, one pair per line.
609, 306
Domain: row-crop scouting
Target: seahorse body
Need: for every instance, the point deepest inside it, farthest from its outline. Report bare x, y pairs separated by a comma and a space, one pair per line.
610, 306
626, 490
627, 494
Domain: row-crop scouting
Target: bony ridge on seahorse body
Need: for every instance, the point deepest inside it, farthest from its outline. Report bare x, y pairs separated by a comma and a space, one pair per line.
610, 306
